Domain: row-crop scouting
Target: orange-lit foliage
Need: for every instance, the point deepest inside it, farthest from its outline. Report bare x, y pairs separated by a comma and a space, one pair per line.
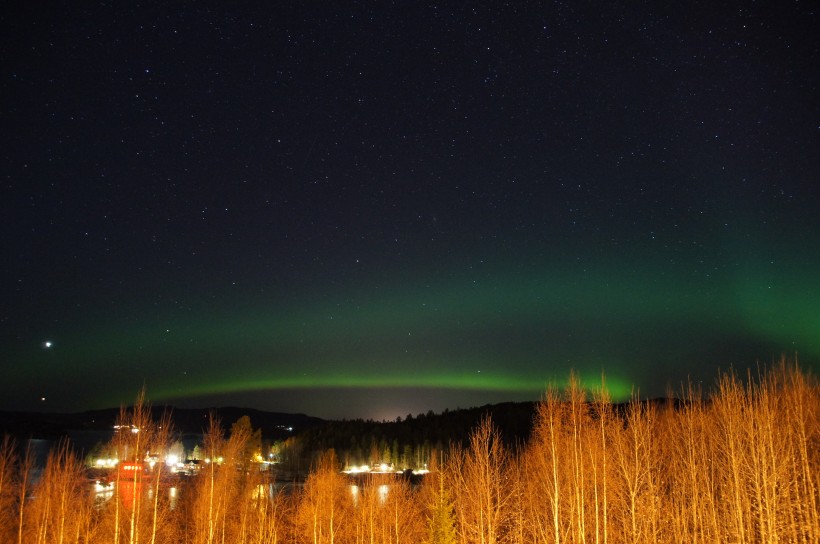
737, 465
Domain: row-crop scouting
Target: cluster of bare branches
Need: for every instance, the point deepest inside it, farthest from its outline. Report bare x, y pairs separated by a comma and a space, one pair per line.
737, 465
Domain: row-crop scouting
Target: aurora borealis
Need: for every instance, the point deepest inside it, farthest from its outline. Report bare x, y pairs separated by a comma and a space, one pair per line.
375, 210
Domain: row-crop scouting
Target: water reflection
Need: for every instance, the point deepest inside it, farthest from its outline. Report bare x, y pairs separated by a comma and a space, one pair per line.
103, 492
382, 492
272, 489
261, 491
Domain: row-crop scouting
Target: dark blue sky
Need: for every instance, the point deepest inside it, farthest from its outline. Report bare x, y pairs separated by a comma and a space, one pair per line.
376, 208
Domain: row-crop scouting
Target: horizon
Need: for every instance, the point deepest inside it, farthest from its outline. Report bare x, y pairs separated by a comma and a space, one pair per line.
391, 412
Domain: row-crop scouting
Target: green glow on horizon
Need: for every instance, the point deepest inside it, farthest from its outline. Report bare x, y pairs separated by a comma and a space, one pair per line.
514, 334
618, 389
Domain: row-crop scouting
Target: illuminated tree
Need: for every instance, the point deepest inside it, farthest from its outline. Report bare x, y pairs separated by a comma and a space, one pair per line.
62, 511
635, 469
224, 491
686, 448
441, 527
368, 496
544, 471
404, 513
801, 405
159, 511
132, 442
483, 497
208, 500
251, 437
24, 482
325, 503
8, 488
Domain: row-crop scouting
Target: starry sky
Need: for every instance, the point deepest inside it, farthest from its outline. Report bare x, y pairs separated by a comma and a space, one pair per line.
369, 209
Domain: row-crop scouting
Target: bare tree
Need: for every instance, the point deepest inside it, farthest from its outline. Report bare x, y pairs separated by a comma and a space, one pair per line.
325, 505
24, 483
541, 469
802, 407
160, 443
8, 496
483, 497
62, 509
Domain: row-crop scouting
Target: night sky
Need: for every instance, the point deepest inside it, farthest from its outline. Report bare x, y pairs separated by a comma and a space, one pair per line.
370, 209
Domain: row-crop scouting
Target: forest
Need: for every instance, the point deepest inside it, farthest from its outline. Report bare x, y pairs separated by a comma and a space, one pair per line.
736, 463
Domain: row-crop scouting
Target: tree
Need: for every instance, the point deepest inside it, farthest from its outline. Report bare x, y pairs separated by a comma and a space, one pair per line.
208, 508
63, 507
324, 505
482, 495
544, 479
8, 490
132, 442
441, 523
636, 462
250, 437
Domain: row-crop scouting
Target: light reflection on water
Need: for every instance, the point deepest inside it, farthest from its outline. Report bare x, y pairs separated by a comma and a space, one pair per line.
104, 492
272, 489
382, 491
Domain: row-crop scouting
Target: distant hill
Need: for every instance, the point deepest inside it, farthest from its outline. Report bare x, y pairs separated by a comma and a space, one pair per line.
274, 425
514, 421
357, 439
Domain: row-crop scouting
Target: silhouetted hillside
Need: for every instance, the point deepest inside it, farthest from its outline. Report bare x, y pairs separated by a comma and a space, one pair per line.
362, 441
274, 425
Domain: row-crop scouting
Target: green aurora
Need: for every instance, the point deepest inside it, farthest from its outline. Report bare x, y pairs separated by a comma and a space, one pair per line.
642, 331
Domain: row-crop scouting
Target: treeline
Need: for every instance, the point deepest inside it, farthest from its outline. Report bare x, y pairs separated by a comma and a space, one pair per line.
737, 464
408, 443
